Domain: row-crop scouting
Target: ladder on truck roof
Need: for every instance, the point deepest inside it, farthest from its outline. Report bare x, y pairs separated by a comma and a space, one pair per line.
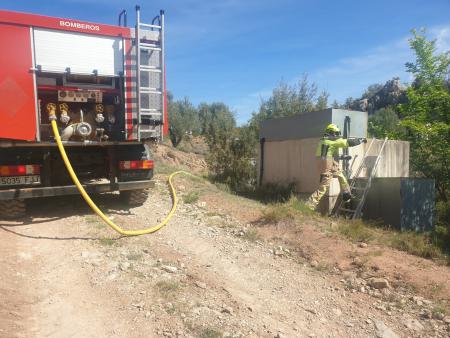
150, 79
360, 186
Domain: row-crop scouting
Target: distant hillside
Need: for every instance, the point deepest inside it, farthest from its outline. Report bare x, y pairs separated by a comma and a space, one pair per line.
378, 96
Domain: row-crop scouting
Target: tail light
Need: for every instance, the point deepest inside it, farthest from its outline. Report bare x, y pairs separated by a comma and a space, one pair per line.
20, 170
134, 165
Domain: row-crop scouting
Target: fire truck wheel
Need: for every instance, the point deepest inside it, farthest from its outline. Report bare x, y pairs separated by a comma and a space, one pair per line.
134, 197
12, 209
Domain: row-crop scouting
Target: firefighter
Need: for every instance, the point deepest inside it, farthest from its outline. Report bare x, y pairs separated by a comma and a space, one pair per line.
327, 156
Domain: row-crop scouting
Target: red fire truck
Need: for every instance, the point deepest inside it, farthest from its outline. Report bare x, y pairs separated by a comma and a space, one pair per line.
105, 87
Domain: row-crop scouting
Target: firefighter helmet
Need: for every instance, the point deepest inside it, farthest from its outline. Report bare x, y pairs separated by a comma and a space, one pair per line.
332, 129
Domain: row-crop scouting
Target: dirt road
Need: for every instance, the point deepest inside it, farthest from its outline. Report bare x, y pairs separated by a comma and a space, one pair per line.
64, 274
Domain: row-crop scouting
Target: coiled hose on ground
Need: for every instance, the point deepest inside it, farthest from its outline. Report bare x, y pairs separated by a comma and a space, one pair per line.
98, 211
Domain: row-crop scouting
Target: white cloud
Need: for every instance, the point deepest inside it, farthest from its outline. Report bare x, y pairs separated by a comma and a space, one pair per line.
351, 75
442, 36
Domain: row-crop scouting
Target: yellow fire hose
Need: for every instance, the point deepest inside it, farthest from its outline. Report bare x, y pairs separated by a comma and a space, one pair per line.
98, 211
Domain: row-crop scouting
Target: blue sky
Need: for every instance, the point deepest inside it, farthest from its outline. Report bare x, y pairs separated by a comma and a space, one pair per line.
237, 51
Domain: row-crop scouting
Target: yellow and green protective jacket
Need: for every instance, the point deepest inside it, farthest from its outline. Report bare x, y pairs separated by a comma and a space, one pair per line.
329, 148
327, 151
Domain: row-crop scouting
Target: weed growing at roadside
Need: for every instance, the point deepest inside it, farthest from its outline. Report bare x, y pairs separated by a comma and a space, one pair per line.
414, 243
94, 220
164, 168
213, 213
107, 241
418, 244
210, 332
375, 253
134, 256
223, 187
251, 235
300, 206
356, 231
191, 197
323, 267
437, 288
276, 213
441, 309
168, 288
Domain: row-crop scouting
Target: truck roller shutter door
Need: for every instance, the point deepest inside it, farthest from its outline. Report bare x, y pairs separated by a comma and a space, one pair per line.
82, 53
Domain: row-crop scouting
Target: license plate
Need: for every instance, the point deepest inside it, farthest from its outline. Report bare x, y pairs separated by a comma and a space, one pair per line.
20, 180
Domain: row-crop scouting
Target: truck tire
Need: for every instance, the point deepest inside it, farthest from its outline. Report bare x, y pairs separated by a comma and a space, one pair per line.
12, 209
134, 197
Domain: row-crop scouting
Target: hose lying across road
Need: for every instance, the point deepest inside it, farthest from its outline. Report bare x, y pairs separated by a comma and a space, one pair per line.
98, 211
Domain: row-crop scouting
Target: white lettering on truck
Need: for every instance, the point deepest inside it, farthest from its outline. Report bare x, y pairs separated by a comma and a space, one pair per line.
79, 25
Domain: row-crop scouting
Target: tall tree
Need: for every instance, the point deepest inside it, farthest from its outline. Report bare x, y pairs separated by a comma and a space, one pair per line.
183, 119
215, 118
322, 101
426, 114
289, 100
383, 123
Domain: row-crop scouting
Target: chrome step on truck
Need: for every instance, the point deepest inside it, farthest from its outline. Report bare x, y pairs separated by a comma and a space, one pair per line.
104, 85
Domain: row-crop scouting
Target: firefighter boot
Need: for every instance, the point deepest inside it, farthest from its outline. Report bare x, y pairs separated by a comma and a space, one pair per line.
346, 196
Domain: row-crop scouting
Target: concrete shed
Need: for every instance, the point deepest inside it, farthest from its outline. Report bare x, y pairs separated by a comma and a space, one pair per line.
288, 148
288, 153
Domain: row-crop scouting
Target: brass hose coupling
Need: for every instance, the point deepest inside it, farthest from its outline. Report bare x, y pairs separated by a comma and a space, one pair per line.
64, 109
51, 110
99, 109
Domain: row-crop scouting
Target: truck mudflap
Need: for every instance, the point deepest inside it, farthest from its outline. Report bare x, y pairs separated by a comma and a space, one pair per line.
92, 188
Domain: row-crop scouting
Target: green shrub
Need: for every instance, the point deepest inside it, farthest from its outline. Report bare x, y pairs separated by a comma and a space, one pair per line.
300, 205
231, 158
443, 214
251, 235
210, 332
168, 288
356, 231
107, 241
191, 197
271, 192
415, 243
276, 213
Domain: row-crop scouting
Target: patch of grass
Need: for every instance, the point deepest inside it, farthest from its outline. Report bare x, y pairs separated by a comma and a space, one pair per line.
251, 235
94, 220
414, 243
324, 267
107, 241
300, 206
161, 168
356, 231
209, 332
213, 213
223, 187
91, 219
168, 288
270, 193
375, 253
418, 244
441, 308
191, 197
171, 309
276, 213
437, 288
195, 178
134, 256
